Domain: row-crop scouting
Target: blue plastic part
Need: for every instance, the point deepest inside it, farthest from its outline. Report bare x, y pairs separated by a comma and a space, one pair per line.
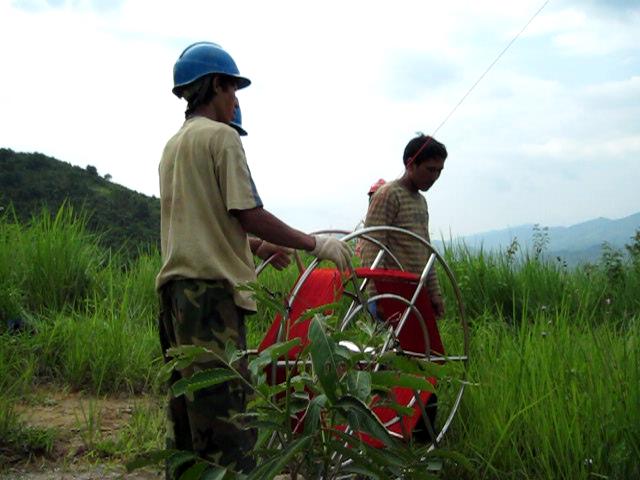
237, 122
204, 58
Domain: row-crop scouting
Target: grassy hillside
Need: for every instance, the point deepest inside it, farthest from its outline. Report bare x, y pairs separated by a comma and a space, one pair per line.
126, 220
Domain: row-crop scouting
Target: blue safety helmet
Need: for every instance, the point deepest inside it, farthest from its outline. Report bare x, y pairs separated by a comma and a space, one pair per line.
204, 58
237, 122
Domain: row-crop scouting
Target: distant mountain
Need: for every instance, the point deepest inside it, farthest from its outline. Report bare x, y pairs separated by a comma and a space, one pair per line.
127, 220
575, 244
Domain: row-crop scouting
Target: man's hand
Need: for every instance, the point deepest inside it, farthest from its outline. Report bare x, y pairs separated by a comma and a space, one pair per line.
330, 248
437, 303
282, 255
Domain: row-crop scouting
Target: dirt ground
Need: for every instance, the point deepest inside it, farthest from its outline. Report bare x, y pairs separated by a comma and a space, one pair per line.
69, 414
72, 415
95, 472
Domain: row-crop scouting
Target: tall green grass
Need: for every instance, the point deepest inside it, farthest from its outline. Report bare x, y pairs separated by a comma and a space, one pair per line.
60, 259
555, 368
90, 315
11, 293
507, 286
552, 398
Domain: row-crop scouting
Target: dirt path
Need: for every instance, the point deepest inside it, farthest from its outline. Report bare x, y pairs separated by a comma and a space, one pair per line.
88, 472
78, 420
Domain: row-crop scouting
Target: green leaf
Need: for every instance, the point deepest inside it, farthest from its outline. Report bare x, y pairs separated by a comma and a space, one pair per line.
379, 458
402, 410
359, 384
215, 473
323, 358
361, 463
178, 459
232, 353
388, 378
367, 327
194, 472
296, 406
187, 351
298, 385
271, 390
270, 426
318, 310
202, 379
273, 467
413, 365
264, 298
185, 355
314, 413
307, 382
361, 419
278, 349
164, 374
272, 353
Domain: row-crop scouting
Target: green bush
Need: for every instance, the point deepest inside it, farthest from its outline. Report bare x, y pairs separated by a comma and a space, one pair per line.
332, 389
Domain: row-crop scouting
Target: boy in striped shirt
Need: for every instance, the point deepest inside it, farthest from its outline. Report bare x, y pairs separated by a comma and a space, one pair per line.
399, 203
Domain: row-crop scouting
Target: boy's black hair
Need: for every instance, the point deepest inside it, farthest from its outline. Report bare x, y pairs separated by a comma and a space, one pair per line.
421, 148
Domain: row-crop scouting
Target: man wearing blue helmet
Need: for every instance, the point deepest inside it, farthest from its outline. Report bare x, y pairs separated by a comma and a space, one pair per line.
209, 205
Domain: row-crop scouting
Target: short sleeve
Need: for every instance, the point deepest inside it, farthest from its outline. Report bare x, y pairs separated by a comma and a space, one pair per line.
238, 190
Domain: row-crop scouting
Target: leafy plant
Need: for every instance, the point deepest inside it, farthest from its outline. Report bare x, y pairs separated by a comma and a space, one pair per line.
511, 251
633, 249
314, 419
540, 240
612, 261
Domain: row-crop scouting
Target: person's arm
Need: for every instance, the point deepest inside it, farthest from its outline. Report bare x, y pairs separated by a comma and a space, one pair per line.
265, 250
254, 244
267, 226
264, 224
433, 286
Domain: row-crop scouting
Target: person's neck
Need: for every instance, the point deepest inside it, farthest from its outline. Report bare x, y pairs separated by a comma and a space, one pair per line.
406, 182
206, 111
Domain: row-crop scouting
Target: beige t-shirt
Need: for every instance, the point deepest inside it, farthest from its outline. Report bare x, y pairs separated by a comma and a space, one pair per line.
394, 205
204, 175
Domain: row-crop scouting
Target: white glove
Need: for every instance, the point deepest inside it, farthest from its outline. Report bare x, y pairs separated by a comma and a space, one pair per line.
330, 248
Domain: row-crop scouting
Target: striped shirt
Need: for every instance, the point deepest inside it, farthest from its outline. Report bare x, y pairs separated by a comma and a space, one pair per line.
394, 205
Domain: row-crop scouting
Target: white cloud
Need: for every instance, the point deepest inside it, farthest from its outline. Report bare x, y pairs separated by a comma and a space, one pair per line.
594, 34
557, 22
619, 92
573, 150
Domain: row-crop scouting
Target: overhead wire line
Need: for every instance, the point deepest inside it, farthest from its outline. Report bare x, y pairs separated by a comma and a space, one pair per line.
492, 64
504, 50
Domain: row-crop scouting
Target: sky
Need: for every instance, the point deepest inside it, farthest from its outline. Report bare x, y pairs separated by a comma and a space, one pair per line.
550, 135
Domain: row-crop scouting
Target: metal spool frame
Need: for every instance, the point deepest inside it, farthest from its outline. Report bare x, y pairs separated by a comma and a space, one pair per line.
360, 305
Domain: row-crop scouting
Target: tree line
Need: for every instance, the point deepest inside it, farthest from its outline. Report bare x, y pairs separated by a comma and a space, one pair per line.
126, 221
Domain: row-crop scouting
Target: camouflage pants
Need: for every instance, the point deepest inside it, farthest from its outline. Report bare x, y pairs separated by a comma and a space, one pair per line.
198, 312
